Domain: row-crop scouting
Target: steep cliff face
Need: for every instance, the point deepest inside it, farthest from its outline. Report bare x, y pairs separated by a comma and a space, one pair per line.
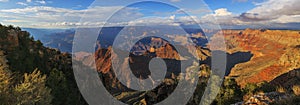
168, 52
156, 46
103, 60
139, 66
275, 52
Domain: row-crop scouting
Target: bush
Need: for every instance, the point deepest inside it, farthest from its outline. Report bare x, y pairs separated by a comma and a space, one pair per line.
229, 93
266, 87
250, 88
290, 101
33, 91
296, 89
280, 89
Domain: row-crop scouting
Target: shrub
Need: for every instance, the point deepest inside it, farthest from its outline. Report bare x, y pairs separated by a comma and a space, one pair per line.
280, 89
32, 91
296, 89
266, 87
250, 88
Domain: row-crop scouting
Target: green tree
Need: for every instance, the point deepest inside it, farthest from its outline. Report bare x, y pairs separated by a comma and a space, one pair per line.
266, 87
25, 54
250, 88
230, 93
33, 91
58, 83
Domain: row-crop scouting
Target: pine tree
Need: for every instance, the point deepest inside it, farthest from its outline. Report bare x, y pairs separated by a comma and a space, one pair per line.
229, 93
32, 91
58, 83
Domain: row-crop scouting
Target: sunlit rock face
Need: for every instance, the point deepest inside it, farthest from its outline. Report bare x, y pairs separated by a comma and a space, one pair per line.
274, 52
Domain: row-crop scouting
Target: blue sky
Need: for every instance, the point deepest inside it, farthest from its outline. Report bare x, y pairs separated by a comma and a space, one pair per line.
71, 4
231, 5
72, 13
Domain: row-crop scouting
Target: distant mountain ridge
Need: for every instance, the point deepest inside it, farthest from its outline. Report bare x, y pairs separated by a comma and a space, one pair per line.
62, 38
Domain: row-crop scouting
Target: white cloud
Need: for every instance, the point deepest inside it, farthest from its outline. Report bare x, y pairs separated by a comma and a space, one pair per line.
4, 0
269, 13
41, 1
222, 12
172, 17
154, 21
21, 3
13, 21
221, 16
287, 19
43, 16
272, 10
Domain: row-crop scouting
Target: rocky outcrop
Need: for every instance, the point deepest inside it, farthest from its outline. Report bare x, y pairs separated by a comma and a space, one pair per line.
139, 66
168, 52
264, 98
291, 59
268, 53
103, 60
156, 47
274, 53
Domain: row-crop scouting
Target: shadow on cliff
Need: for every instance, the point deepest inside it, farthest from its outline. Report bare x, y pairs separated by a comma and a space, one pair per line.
287, 80
231, 59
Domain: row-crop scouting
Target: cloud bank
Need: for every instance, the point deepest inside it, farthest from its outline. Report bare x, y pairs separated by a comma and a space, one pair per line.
268, 13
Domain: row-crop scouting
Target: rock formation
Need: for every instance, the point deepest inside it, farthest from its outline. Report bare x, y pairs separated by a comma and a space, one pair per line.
275, 52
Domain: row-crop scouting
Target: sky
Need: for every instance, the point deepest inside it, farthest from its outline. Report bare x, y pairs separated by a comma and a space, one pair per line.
95, 13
